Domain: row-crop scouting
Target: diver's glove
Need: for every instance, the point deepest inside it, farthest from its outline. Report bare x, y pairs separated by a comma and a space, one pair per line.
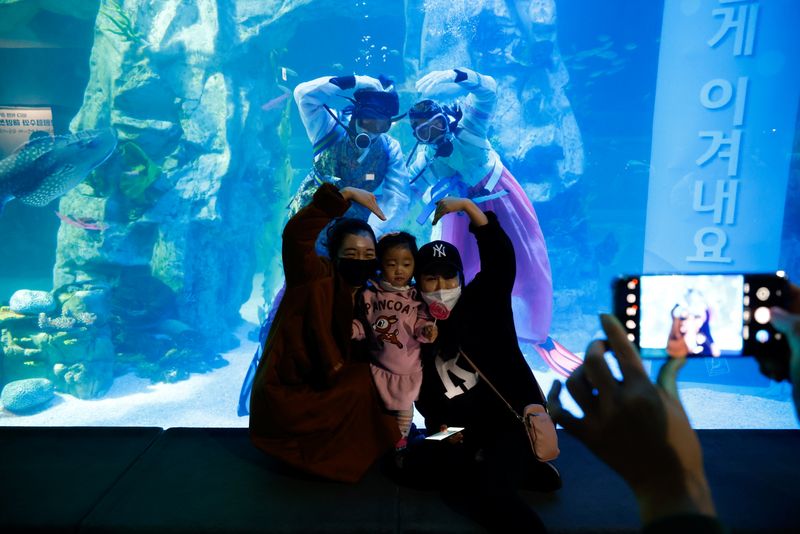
344, 82
431, 82
447, 82
468, 77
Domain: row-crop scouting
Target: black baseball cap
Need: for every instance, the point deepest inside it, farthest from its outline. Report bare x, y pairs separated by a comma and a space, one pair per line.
439, 257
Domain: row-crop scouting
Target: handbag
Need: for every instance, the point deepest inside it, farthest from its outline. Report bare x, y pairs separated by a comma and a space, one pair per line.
539, 427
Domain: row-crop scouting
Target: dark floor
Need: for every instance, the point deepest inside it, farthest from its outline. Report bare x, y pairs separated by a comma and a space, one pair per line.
213, 480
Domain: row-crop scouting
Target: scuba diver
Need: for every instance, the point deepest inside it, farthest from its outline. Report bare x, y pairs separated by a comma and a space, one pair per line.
453, 157
351, 149
351, 146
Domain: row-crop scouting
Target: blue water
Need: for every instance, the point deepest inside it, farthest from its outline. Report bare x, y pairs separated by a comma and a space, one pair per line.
595, 227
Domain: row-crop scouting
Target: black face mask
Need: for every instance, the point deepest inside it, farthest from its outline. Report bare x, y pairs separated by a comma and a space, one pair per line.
356, 272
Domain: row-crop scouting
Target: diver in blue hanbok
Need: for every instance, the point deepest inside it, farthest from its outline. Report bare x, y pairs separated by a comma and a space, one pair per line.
455, 158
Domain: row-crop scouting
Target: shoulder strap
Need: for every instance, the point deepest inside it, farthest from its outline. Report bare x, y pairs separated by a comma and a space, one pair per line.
483, 376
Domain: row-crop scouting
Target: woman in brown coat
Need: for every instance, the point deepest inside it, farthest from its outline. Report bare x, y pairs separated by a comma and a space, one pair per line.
313, 404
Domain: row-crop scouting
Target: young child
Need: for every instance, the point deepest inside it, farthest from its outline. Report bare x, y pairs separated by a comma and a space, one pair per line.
399, 322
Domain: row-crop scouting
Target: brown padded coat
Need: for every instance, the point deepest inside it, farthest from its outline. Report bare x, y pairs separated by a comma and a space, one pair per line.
313, 403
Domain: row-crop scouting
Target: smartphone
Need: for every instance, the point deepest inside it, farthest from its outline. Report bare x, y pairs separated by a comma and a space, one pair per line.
439, 436
702, 315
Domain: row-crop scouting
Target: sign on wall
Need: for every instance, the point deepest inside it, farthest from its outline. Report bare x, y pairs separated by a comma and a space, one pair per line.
725, 114
17, 125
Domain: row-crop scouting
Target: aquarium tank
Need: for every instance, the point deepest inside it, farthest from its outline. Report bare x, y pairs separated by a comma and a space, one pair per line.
150, 150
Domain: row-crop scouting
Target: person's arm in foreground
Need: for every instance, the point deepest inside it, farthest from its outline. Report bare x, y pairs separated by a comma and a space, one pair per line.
638, 429
788, 322
453, 204
498, 263
300, 259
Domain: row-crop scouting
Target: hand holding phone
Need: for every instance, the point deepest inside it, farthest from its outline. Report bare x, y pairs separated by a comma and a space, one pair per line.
786, 319
688, 315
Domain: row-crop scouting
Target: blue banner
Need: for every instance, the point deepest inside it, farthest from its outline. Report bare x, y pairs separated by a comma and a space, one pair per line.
725, 112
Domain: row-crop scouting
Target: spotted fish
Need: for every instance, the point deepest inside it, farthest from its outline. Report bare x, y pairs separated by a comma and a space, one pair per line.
46, 167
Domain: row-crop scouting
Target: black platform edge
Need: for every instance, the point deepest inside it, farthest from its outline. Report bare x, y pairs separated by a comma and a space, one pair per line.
51, 478
78, 479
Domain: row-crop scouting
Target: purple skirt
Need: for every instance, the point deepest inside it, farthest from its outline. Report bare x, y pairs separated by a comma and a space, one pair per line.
532, 297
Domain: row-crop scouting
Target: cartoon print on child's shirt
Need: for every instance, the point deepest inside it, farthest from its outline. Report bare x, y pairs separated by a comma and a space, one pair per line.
382, 325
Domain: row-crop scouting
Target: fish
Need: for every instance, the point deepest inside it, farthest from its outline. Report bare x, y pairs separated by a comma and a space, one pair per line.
275, 102
607, 54
637, 165
83, 223
337, 67
47, 167
286, 72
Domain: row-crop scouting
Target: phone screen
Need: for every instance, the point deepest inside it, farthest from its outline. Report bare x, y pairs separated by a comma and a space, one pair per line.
687, 315
691, 315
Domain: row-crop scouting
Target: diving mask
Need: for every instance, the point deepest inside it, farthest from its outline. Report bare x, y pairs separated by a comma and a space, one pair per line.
367, 130
432, 129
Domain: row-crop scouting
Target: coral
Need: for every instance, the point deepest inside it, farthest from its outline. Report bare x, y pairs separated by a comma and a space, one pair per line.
7, 314
17, 321
140, 173
22, 357
56, 323
87, 380
96, 302
81, 362
25, 395
66, 321
31, 302
121, 23
172, 365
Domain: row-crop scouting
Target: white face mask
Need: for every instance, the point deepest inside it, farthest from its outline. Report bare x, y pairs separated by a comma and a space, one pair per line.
441, 302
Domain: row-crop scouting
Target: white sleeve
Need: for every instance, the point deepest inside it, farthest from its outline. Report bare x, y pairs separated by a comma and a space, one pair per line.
481, 102
310, 97
396, 192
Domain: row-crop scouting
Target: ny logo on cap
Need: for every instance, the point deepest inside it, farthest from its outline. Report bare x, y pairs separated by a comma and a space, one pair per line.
438, 251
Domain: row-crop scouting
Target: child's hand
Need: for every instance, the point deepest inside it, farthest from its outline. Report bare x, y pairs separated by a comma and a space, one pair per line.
430, 332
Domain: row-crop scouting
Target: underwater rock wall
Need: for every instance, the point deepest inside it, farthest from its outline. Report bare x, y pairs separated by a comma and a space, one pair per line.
158, 247
187, 196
